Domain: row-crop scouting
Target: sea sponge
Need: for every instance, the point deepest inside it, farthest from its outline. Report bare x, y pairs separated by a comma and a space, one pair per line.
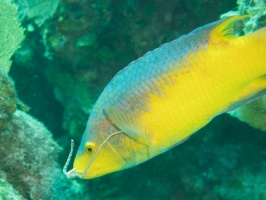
6, 190
28, 157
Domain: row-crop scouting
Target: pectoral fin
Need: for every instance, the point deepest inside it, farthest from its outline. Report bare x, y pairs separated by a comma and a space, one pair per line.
127, 123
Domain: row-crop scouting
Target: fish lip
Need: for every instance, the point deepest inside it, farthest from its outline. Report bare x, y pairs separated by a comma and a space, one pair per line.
73, 174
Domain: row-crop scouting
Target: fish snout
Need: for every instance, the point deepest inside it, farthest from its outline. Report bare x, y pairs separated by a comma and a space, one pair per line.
73, 174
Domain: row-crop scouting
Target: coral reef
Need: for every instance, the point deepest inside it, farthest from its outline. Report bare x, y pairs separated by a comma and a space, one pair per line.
28, 166
31, 157
28, 158
256, 9
29, 153
62, 68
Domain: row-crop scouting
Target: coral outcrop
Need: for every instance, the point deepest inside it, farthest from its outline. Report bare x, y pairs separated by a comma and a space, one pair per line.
28, 161
28, 158
7, 192
28, 155
257, 11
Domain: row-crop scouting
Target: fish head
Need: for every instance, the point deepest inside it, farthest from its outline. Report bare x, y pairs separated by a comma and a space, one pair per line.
101, 153
95, 158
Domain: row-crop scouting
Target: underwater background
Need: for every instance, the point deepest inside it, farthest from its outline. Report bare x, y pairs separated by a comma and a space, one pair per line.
63, 55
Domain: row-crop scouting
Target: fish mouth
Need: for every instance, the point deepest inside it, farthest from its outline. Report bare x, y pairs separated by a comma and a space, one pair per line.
73, 174
89, 170
115, 160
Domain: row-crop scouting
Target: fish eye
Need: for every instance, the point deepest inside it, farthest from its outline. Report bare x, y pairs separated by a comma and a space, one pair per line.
89, 147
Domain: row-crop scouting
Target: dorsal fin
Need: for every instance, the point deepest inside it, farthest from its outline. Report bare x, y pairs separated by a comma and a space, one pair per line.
224, 29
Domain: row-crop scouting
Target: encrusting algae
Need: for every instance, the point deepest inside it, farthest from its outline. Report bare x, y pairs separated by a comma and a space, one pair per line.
161, 99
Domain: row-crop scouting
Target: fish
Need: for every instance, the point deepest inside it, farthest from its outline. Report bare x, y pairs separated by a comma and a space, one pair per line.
161, 99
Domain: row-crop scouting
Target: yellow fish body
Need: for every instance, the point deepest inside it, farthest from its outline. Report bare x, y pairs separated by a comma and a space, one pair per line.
162, 98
